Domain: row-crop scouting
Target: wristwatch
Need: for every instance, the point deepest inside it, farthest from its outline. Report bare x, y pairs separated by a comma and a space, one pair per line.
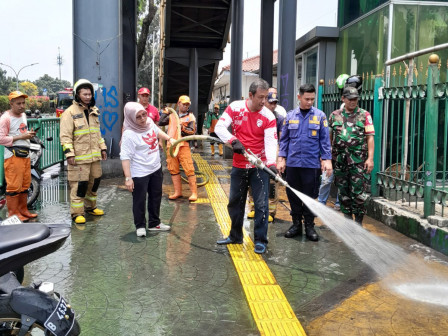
128, 178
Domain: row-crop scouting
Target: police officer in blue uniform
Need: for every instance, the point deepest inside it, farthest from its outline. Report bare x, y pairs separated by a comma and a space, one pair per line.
305, 152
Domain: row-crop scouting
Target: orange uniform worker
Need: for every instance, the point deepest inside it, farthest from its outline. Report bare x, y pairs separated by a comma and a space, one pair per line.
187, 123
15, 136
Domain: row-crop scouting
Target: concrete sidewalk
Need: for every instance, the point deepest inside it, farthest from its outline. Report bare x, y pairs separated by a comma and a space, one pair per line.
182, 283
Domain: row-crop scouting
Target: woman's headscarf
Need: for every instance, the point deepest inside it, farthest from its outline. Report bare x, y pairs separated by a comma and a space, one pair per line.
130, 122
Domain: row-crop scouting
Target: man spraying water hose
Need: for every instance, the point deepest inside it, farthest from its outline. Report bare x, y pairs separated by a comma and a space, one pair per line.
254, 128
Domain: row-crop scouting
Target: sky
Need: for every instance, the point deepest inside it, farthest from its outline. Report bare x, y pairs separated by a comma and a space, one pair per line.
34, 34
31, 32
309, 15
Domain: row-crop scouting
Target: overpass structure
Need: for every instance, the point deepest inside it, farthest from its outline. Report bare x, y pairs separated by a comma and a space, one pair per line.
193, 36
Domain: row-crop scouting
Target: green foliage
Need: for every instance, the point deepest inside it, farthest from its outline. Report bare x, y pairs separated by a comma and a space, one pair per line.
4, 103
52, 85
7, 84
32, 103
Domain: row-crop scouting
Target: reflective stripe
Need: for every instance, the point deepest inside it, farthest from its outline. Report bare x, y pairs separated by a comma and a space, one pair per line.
87, 131
87, 156
81, 131
101, 140
67, 146
90, 198
77, 205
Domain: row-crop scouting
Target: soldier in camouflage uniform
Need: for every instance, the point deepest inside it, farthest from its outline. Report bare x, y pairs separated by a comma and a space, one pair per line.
351, 134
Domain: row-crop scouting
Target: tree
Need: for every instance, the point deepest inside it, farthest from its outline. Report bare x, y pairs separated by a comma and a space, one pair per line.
7, 84
151, 34
52, 85
28, 88
146, 11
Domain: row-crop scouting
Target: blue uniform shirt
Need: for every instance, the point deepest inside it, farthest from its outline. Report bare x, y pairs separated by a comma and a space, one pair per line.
305, 140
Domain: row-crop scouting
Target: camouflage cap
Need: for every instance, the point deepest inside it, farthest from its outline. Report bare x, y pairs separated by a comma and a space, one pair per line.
350, 93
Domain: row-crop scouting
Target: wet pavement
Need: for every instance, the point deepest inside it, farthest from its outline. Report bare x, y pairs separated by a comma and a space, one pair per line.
182, 283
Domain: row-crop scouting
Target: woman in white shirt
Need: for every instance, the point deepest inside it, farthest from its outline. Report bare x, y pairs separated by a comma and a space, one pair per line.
140, 159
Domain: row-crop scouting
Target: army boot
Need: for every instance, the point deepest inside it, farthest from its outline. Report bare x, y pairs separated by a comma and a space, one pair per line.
295, 229
310, 232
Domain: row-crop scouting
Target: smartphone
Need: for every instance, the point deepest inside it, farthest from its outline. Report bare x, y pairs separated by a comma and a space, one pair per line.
36, 129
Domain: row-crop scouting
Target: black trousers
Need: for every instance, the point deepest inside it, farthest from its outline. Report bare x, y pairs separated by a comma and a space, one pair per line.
150, 185
305, 180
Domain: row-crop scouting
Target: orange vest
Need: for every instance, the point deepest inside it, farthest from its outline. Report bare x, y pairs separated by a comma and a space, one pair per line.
172, 126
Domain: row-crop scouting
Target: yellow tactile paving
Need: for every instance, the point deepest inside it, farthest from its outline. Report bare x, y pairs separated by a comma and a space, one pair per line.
216, 167
270, 308
202, 200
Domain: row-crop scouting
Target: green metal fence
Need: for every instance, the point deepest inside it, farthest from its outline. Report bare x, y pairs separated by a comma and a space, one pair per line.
49, 129
410, 115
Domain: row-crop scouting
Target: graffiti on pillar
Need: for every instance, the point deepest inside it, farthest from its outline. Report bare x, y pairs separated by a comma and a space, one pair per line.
284, 91
107, 102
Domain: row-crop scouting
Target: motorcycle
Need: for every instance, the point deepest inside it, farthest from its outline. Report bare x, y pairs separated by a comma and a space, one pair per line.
37, 309
36, 150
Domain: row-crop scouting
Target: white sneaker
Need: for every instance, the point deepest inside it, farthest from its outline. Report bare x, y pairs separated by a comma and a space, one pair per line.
141, 232
160, 227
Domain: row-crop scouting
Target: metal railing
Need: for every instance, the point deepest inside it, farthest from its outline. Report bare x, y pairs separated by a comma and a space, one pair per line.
49, 127
410, 117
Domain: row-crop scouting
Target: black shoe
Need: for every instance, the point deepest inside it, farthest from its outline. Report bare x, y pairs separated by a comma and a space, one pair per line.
295, 229
348, 216
229, 240
310, 232
359, 218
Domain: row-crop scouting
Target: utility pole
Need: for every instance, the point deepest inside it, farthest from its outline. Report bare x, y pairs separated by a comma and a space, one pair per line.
59, 61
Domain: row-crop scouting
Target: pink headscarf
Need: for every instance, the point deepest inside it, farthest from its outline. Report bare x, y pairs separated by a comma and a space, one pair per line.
130, 122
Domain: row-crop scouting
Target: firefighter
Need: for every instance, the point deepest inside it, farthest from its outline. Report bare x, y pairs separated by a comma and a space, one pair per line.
187, 123
83, 147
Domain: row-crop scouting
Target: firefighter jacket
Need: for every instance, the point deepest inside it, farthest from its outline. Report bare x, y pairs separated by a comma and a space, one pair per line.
80, 137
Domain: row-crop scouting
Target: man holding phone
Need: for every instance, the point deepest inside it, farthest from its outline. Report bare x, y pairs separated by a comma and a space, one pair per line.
15, 136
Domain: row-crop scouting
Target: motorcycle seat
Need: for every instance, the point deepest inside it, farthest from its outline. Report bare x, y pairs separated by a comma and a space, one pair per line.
15, 236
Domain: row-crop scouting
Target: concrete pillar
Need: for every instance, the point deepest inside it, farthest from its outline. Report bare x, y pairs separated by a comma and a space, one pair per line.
129, 50
236, 53
96, 57
193, 81
266, 40
286, 54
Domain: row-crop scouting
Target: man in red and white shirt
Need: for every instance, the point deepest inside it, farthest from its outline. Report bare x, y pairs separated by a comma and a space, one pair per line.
253, 127
15, 136
143, 98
